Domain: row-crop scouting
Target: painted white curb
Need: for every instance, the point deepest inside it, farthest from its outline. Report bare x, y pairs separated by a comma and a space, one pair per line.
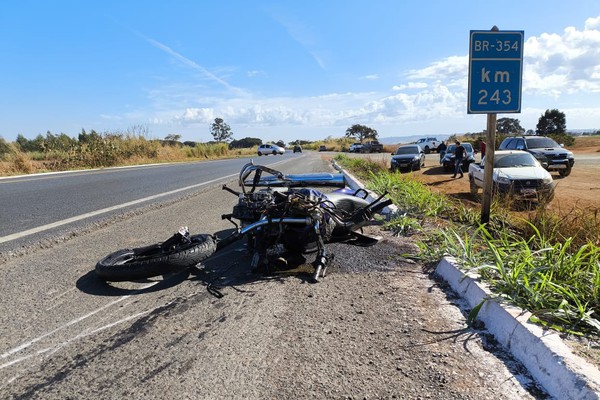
354, 184
563, 374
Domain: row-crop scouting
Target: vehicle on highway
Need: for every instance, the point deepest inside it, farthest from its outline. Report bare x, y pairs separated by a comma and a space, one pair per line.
448, 159
409, 157
517, 174
355, 147
372, 146
550, 154
428, 144
297, 149
276, 212
270, 148
322, 148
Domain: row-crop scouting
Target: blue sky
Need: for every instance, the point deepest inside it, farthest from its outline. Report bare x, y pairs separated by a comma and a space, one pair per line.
282, 70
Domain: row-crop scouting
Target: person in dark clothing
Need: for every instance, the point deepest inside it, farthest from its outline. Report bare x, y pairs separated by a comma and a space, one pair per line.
482, 148
459, 155
442, 150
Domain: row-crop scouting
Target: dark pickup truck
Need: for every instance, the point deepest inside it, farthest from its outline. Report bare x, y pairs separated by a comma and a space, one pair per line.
372, 147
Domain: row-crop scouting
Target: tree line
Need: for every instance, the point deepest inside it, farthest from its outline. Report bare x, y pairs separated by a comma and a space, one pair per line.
552, 123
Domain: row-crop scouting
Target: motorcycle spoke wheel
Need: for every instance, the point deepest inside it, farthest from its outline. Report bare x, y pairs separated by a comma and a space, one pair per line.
123, 265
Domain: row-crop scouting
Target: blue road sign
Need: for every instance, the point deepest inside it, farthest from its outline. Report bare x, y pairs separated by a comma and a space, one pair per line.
495, 72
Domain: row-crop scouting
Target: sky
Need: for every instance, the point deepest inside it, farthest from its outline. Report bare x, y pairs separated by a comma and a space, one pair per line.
282, 70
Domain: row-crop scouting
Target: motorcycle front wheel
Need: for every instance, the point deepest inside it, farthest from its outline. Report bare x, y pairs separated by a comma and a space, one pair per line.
149, 261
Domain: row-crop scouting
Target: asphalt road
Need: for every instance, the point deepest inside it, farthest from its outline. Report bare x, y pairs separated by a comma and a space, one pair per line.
360, 333
44, 205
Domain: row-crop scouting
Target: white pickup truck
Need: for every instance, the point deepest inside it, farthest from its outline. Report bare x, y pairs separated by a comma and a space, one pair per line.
429, 144
355, 147
517, 174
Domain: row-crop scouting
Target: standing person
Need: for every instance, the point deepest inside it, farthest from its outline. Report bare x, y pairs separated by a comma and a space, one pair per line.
442, 150
459, 154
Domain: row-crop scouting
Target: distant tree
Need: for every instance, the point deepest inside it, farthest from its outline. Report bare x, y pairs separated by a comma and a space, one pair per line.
530, 132
60, 142
300, 142
245, 143
280, 143
190, 143
361, 132
220, 130
552, 122
91, 137
509, 126
173, 138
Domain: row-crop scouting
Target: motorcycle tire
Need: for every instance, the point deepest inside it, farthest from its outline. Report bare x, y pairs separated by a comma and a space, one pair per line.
123, 265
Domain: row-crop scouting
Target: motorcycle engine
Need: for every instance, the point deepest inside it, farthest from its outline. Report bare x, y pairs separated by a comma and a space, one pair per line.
295, 203
251, 205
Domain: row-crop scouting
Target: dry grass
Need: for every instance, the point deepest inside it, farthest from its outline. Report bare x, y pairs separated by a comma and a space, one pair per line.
112, 151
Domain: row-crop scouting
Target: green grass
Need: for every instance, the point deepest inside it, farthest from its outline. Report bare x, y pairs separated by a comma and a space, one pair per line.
547, 265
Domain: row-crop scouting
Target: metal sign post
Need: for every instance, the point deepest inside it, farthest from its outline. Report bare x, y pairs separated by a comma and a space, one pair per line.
495, 79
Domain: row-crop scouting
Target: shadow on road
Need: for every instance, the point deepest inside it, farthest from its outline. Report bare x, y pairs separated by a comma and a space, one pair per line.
230, 267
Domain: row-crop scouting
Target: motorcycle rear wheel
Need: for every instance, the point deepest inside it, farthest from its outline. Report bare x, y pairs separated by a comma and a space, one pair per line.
124, 265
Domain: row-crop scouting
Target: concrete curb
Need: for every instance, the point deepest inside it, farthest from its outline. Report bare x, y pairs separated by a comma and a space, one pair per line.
354, 184
563, 374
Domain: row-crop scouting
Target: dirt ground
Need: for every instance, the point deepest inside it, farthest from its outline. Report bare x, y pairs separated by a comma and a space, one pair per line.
580, 189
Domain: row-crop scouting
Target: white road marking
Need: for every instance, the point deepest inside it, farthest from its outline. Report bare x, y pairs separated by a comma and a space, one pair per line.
56, 224
66, 325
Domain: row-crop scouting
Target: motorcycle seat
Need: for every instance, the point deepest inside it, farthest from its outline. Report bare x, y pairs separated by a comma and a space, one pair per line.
347, 202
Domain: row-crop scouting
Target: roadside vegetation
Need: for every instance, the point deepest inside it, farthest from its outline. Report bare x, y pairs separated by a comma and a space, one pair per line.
546, 264
101, 150
95, 150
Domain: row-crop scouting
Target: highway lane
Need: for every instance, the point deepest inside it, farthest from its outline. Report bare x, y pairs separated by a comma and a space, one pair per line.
36, 206
66, 334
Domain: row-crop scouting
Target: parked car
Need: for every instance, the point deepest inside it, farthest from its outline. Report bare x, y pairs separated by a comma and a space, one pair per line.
270, 148
355, 147
516, 173
297, 149
409, 157
429, 144
322, 148
448, 159
550, 154
372, 146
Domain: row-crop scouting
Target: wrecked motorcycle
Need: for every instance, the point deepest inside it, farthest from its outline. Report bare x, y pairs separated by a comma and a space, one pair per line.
273, 210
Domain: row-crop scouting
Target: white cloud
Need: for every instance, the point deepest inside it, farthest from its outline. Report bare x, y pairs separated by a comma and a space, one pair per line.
255, 73
556, 67
592, 23
372, 77
410, 85
556, 64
